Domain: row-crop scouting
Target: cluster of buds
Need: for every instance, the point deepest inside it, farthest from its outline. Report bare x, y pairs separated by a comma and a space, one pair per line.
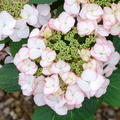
58, 86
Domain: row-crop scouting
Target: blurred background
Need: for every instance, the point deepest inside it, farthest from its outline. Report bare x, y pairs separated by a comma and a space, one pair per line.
18, 107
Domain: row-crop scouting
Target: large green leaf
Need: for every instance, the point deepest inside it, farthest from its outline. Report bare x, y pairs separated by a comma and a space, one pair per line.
116, 42
8, 78
15, 46
112, 97
41, 1
86, 112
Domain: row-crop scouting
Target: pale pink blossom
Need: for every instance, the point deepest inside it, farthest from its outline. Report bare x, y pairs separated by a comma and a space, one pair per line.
36, 42
115, 29
69, 78
30, 14
102, 52
74, 96
27, 83
103, 89
72, 7
48, 56
63, 23
100, 30
51, 84
57, 103
111, 64
47, 70
60, 67
86, 27
109, 70
27, 66
109, 18
38, 91
22, 54
90, 82
94, 65
91, 12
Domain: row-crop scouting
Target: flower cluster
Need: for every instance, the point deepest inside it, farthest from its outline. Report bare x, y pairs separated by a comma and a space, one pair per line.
51, 79
18, 29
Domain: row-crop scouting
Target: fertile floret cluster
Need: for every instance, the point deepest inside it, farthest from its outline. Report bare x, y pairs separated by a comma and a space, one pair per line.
69, 59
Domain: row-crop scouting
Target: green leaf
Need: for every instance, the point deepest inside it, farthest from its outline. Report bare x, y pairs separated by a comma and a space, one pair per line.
112, 97
116, 42
43, 113
86, 112
41, 1
15, 46
5, 40
8, 78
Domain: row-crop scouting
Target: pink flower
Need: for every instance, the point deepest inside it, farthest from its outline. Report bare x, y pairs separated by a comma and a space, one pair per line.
74, 96
102, 51
72, 7
111, 64
38, 91
91, 12
27, 83
103, 89
36, 42
47, 70
115, 29
57, 103
109, 18
69, 78
94, 65
27, 66
22, 54
86, 27
48, 56
51, 84
109, 70
63, 23
60, 67
90, 82
100, 30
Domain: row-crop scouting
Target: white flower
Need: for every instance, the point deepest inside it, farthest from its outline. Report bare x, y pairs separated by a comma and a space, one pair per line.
21, 30
63, 23
27, 66
69, 78
30, 14
60, 67
7, 23
38, 91
48, 56
72, 7
90, 82
103, 89
74, 96
51, 84
27, 83
57, 103
44, 14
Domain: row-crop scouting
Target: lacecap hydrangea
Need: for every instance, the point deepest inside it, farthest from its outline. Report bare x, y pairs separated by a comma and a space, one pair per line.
70, 58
